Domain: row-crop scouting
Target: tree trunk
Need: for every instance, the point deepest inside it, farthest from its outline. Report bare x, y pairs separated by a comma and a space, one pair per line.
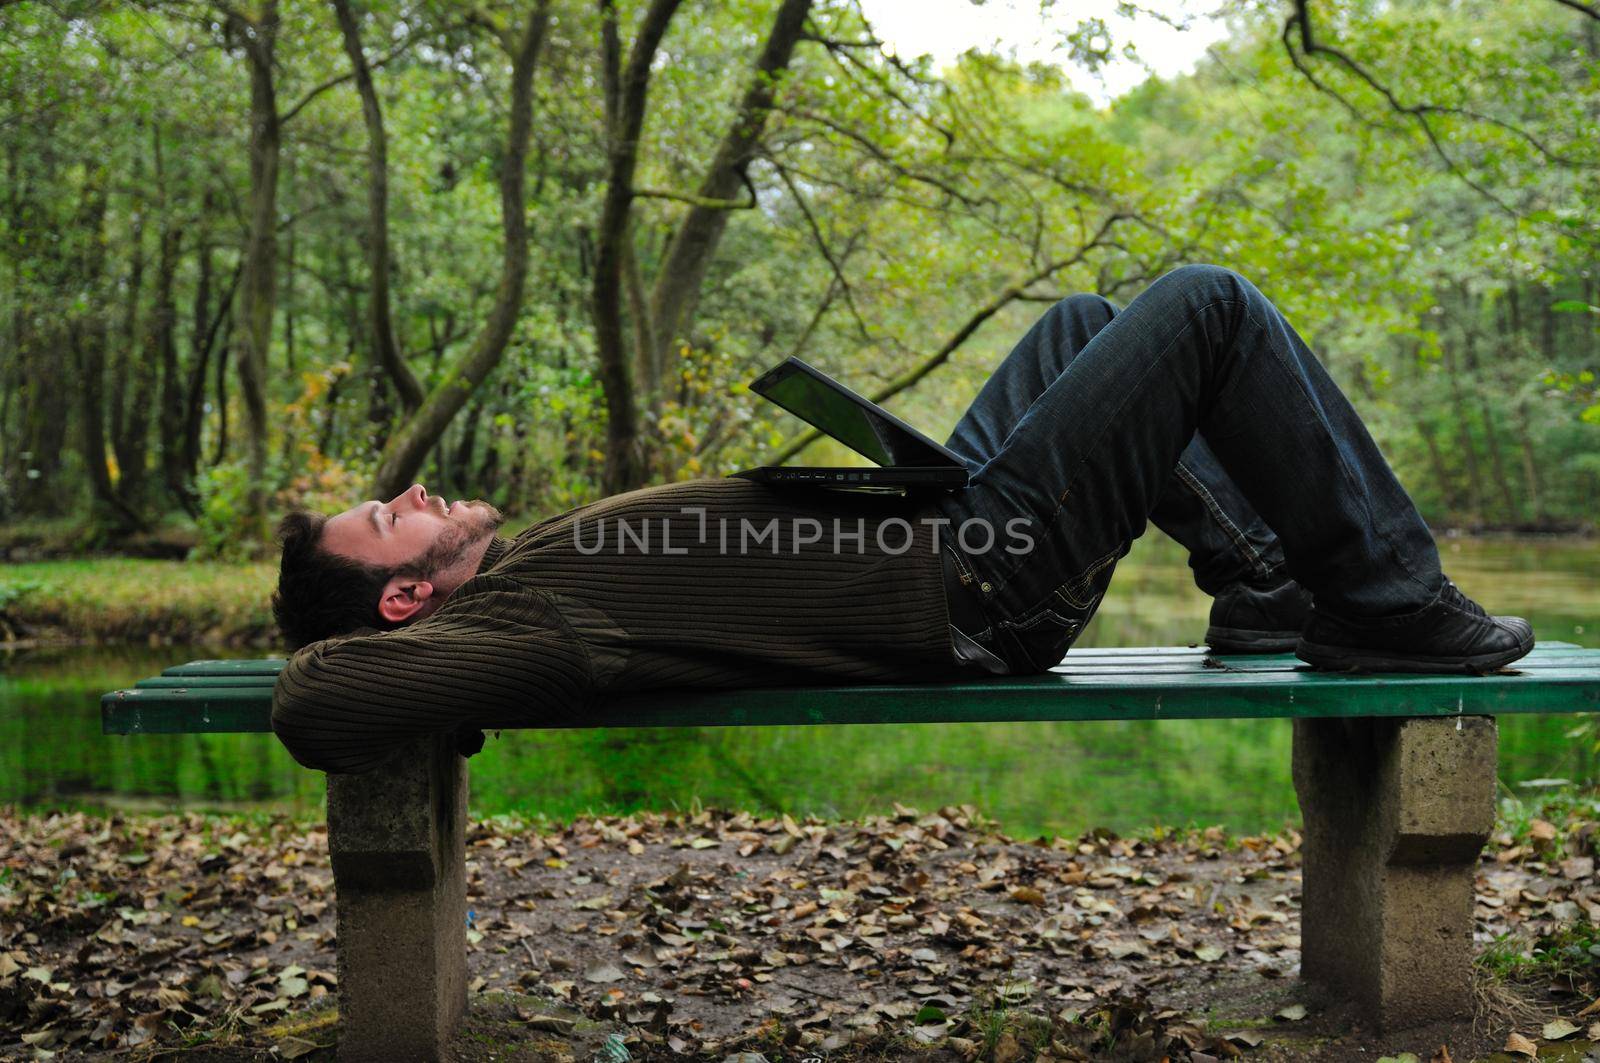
384, 342
208, 325
291, 372
684, 268
87, 331
1592, 291
1547, 322
164, 351
422, 430
1530, 467
625, 94
326, 437
1497, 465
461, 462
128, 370
156, 356
1441, 472
649, 358
1469, 451
220, 451
34, 380
488, 468
1491, 434
253, 323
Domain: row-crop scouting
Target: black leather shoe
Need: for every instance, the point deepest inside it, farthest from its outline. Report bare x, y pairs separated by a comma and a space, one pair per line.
1246, 619
1452, 634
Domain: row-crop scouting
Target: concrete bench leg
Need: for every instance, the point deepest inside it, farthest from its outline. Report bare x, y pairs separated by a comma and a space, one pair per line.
397, 839
1396, 812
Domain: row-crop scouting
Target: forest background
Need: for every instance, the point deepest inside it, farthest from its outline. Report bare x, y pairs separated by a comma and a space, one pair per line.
258, 255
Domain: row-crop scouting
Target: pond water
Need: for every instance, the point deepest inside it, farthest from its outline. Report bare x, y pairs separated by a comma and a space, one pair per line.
1034, 778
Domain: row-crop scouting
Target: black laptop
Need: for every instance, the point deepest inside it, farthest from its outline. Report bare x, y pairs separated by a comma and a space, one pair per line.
905, 458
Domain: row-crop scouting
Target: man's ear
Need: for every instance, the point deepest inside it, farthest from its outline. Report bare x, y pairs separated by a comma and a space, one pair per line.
403, 599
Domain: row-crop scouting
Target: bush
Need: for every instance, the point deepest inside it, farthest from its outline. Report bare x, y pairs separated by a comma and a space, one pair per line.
222, 527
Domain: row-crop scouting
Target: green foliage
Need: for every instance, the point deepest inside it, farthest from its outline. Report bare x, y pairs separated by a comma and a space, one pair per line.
1571, 953
15, 591
224, 492
1447, 280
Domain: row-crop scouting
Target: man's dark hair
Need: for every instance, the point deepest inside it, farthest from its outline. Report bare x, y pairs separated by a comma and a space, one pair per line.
321, 594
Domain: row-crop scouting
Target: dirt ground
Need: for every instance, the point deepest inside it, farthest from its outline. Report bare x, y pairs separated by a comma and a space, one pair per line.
912, 936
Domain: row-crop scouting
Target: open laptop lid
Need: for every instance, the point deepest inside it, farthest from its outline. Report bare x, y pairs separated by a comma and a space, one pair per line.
864, 427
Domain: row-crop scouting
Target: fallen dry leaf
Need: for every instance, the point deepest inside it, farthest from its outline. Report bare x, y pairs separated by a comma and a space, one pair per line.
1558, 1030
854, 930
604, 972
1518, 1045
548, 1023
1007, 1049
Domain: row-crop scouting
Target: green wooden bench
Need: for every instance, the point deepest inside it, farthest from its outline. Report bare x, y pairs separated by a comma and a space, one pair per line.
1395, 776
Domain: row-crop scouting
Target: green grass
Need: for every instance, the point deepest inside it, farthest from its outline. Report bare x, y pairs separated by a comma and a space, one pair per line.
1562, 808
1570, 954
119, 599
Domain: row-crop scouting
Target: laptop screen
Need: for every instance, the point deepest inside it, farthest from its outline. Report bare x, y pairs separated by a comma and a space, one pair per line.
828, 405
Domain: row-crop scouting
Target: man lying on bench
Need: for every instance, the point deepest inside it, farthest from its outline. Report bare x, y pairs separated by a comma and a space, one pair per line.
1196, 407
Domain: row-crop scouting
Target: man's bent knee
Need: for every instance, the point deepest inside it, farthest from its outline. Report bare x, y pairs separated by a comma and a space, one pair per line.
1093, 310
1203, 276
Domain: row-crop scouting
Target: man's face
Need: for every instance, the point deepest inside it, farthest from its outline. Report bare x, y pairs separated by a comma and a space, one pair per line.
412, 526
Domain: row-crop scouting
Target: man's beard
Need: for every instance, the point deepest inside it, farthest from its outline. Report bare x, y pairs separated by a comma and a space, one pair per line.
455, 541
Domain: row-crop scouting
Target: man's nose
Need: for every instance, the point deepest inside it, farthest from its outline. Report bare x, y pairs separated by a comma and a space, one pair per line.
415, 496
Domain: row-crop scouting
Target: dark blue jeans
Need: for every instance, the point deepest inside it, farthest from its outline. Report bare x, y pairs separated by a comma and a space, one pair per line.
1199, 408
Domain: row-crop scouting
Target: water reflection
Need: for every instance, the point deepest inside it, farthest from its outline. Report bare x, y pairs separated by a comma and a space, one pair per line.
1033, 777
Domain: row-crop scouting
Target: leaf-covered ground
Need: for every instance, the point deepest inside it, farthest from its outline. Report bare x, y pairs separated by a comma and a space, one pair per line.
918, 935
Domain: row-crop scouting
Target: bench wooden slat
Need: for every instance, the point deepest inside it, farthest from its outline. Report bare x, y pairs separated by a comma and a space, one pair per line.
1073, 666
206, 682
1554, 678
269, 666
1121, 657
1109, 656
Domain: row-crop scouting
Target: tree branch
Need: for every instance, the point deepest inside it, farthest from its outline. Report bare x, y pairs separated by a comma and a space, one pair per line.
1302, 19
853, 69
1587, 9
877, 151
701, 201
822, 245
384, 60
998, 302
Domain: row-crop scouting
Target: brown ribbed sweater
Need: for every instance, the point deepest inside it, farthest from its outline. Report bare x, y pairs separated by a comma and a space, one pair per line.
551, 623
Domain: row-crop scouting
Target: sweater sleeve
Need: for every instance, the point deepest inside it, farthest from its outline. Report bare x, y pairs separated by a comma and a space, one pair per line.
495, 655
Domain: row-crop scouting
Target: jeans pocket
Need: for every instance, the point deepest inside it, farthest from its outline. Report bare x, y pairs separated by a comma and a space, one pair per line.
1037, 641
1084, 591
1038, 638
